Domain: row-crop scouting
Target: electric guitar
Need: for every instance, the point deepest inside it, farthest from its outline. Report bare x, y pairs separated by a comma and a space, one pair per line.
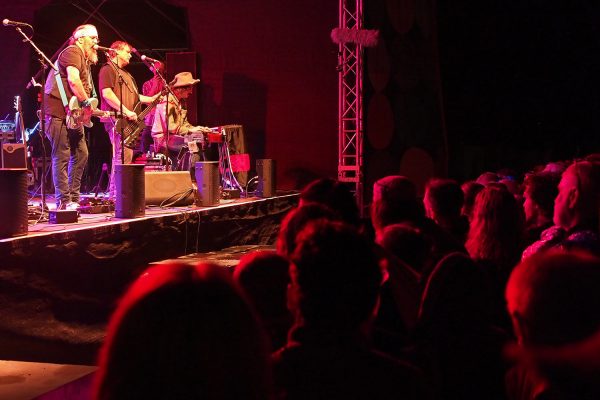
78, 116
132, 129
20, 124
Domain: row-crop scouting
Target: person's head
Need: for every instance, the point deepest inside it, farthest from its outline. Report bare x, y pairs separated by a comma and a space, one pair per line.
470, 190
86, 37
540, 191
395, 200
157, 66
294, 222
120, 53
183, 331
183, 85
487, 177
552, 298
407, 243
555, 167
496, 226
335, 195
443, 199
577, 201
335, 277
264, 277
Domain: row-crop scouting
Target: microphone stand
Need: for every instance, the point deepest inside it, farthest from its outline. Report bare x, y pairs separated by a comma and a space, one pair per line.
121, 127
168, 87
45, 63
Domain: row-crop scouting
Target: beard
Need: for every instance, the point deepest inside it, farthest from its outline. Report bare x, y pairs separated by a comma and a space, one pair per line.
93, 57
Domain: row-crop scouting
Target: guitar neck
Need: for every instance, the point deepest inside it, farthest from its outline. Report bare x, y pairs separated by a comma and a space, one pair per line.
101, 113
151, 105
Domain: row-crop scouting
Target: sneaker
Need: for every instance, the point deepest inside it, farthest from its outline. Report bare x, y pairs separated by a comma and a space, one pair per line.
72, 206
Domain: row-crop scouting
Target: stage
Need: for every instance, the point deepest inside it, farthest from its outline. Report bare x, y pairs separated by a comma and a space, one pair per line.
60, 282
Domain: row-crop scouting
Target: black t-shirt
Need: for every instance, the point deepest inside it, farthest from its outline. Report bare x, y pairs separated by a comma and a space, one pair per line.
108, 78
71, 56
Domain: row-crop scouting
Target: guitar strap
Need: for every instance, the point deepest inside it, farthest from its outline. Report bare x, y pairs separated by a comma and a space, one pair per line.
59, 83
61, 88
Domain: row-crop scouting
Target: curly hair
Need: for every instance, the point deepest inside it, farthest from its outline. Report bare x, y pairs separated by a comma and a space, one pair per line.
496, 227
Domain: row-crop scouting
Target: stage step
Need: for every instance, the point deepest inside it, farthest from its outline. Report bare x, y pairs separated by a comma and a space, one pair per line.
43, 381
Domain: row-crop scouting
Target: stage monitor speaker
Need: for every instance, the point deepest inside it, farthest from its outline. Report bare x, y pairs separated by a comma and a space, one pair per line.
13, 202
265, 168
129, 183
173, 188
207, 179
14, 155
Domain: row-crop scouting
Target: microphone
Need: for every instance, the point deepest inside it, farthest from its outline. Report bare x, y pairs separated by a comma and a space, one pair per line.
8, 22
152, 60
102, 48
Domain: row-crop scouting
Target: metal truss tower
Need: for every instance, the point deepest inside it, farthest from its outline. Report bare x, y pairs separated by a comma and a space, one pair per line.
350, 107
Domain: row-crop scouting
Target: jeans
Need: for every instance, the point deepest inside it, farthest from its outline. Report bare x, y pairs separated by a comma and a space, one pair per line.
69, 158
115, 139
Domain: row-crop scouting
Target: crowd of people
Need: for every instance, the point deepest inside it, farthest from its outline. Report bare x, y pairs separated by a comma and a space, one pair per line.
485, 290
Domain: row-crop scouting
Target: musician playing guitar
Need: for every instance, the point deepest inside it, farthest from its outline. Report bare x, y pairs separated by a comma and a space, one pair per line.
110, 88
69, 148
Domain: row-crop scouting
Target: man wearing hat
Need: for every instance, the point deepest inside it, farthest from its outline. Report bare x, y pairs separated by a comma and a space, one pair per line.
177, 125
69, 148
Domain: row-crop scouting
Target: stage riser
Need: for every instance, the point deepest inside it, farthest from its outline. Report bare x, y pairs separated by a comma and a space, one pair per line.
69, 281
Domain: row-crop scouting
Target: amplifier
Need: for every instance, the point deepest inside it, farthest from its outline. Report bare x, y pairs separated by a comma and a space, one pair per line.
14, 155
169, 186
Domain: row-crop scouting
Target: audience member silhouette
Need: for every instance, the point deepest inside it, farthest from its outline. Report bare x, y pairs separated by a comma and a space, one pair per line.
184, 332
443, 201
456, 342
470, 189
264, 277
405, 250
395, 201
295, 220
487, 177
407, 243
495, 235
540, 191
575, 211
335, 195
334, 291
553, 301
495, 242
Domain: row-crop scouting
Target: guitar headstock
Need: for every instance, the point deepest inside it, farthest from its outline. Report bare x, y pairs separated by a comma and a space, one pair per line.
17, 104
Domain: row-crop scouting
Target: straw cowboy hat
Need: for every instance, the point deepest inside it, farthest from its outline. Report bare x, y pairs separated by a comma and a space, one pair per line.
184, 79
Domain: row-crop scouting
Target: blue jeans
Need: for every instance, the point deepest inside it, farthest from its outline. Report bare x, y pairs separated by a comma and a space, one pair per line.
69, 158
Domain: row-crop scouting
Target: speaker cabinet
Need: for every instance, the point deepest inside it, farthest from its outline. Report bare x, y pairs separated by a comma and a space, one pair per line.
207, 179
265, 168
14, 155
129, 183
169, 187
13, 202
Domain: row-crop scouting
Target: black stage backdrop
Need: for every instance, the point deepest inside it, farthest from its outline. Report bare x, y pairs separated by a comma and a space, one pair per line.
477, 85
